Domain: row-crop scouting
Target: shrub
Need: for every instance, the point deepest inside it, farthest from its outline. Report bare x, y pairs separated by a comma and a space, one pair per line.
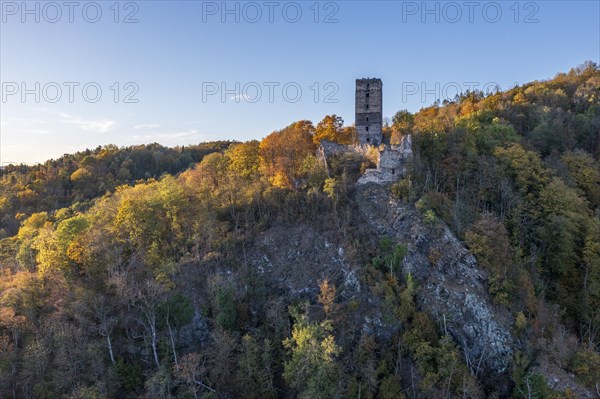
401, 189
520, 322
586, 366
430, 217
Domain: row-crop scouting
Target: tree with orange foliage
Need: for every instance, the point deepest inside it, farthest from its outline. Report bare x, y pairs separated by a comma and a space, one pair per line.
327, 296
282, 153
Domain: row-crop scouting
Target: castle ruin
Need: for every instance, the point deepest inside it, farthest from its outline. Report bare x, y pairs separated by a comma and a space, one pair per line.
393, 161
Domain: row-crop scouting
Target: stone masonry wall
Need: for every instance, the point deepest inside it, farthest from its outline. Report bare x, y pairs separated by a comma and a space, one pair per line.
368, 107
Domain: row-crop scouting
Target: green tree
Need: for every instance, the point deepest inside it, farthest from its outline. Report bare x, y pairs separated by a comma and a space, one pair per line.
590, 329
255, 368
488, 241
311, 369
175, 313
403, 123
226, 313
585, 171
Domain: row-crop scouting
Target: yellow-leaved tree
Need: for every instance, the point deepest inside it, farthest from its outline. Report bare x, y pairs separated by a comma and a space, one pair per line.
331, 128
282, 153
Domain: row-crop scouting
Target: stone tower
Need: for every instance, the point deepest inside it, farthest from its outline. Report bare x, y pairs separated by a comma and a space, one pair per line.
369, 104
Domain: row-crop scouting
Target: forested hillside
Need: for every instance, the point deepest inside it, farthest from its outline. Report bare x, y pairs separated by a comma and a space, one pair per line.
77, 178
249, 270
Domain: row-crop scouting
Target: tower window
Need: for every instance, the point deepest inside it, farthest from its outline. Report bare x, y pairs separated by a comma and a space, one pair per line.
367, 106
368, 139
393, 171
367, 118
367, 95
367, 128
367, 86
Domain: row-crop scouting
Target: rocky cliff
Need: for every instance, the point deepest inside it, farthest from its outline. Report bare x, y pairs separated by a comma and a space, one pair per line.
452, 287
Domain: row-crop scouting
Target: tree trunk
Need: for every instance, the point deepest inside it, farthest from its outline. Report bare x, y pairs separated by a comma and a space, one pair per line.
110, 349
172, 343
154, 353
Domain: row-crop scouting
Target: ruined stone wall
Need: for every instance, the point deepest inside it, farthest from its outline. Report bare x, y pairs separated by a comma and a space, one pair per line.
390, 163
328, 149
394, 163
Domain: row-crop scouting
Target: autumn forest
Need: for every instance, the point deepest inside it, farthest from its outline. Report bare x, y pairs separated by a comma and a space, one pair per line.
214, 270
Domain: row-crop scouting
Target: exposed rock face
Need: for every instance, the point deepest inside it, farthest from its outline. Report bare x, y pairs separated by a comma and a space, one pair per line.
292, 260
198, 331
295, 258
452, 287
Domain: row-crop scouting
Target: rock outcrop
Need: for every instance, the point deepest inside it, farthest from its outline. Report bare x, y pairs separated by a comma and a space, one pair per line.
452, 287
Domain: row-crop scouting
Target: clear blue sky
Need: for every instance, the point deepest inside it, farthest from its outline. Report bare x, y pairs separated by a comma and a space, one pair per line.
181, 51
